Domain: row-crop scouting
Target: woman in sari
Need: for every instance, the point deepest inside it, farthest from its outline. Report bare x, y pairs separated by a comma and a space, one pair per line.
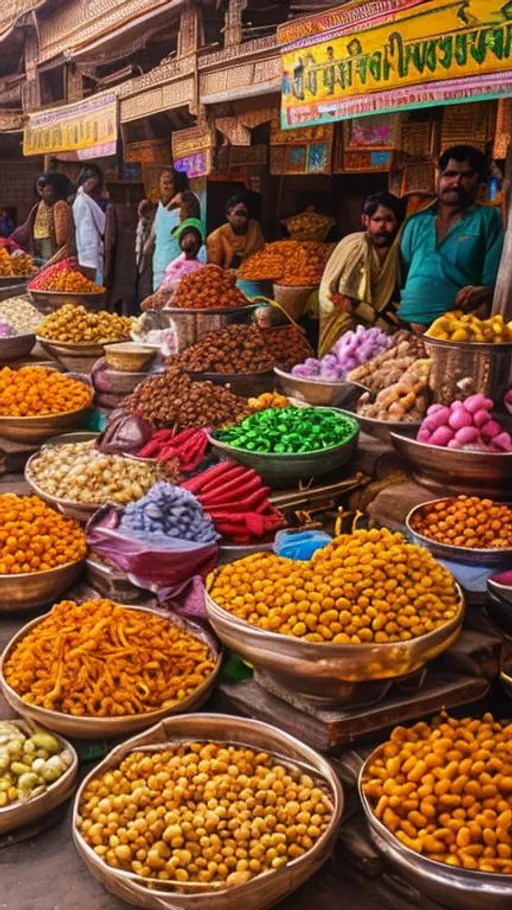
234, 242
49, 226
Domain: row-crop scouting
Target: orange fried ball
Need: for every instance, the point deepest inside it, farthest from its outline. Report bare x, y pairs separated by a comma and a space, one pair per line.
288, 262
71, 282
466, 521
36, 538
445, 791
39, 392
370, 586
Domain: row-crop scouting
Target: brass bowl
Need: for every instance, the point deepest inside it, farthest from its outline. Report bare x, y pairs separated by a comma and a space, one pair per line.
129, 356
77, 358
489, 365
323, 670
482, 473
19, 814
37, 429
48, 301
102, 727
450, 886
16, 347
35, 589
319, 392
471, 556
263, 890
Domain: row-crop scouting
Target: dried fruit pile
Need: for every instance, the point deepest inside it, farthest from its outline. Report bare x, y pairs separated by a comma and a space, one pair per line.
210, 288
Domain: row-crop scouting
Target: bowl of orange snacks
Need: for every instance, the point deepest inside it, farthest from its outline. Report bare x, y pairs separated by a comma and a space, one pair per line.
37, 403
67, 286
465, 529
41, 552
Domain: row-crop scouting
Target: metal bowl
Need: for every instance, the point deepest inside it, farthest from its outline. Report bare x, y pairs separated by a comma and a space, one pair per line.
471, 556
247, 385
37, 429
382, 429
489, 365
36, 589
16, 347
48, 301
501, 589
100, 727
483, 473
19, 814
9, 281
451, 886
318, 392
80, 511
191, 325
324, 670
263, 890
77, 358
280, 468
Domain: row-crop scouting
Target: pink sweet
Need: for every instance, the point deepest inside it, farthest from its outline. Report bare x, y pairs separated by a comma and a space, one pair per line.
467, 435
480, 418
434, 408
491, 429
441, 436
440, 418
503, 442
454, 444
477, 403
460, 418
423, 435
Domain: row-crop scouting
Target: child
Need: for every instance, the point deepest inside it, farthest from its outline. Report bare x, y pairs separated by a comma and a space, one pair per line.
190, 237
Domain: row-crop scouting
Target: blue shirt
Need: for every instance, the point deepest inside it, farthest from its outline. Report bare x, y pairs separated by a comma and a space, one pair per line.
167, 246
434, 272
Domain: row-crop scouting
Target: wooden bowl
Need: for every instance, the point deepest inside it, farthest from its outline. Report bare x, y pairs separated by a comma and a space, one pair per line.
103, 727
77, 358
18, 815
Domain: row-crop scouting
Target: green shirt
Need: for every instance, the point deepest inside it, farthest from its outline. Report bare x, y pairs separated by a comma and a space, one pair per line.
435, 272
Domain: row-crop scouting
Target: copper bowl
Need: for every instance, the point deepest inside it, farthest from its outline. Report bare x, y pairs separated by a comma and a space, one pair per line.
100, 727
22, 814
37, 429
482, 473
489, 365
450, 886
35, 589
324, 670
471, 556
48, 301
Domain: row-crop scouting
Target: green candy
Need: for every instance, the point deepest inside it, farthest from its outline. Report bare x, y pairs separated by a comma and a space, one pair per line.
290, 431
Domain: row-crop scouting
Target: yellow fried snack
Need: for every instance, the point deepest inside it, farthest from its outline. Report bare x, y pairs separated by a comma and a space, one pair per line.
202, 812
370, 586
459, 326
445, 791
99, 659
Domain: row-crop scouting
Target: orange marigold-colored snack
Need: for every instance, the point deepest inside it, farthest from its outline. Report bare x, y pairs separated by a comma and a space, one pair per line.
70, 282
19, 264
39, 392
36, 538
100, 659
288, 262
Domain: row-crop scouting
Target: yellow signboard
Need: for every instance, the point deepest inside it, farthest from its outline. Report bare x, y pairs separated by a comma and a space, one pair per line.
88, 127
427, 54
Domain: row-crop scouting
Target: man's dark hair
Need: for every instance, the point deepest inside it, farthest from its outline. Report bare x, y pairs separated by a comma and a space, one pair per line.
91, 170
237, 199
386, 199
476, 159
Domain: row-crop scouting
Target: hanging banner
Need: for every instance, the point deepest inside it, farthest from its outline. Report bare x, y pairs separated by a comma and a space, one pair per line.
192, 150
88, 128
412, 56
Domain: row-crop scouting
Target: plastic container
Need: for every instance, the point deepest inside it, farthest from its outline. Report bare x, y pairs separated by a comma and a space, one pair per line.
300, 544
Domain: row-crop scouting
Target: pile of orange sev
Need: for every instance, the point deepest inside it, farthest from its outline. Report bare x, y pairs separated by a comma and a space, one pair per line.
100, 659
41, 392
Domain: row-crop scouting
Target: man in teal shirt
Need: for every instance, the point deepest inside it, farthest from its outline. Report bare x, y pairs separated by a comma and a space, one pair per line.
451, 251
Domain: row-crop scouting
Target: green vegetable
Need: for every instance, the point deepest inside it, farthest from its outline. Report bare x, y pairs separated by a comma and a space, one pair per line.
290, 431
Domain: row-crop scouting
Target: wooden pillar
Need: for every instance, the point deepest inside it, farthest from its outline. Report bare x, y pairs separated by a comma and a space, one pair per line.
233, 23
31, 90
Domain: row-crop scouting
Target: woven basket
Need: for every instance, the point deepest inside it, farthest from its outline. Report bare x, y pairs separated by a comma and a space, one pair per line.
293, 300
262, 891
